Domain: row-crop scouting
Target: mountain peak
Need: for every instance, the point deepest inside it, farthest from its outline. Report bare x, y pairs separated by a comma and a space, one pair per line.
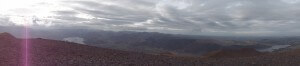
6, 35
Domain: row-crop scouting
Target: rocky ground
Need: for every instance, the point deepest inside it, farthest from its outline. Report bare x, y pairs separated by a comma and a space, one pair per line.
291, 58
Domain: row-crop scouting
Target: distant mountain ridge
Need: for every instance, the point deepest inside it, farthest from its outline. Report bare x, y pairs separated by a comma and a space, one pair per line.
150, 42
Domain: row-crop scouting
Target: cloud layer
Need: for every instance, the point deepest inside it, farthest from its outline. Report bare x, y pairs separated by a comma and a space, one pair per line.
75, 39
199, 17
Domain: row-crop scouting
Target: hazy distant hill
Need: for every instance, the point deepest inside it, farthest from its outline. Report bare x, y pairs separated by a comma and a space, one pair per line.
150, 42
153, 42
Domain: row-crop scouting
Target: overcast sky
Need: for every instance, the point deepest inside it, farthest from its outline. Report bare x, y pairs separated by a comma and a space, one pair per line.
197, 17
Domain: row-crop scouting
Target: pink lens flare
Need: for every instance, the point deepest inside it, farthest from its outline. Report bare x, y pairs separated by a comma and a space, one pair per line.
25, 46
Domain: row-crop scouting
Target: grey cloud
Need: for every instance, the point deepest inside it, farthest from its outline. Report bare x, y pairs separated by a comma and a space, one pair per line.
227, 15
70, 18
65, 12
201, 17
4, 21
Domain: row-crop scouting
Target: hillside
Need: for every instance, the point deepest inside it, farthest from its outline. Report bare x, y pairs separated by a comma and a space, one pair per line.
46, 52
230, 53
289, 58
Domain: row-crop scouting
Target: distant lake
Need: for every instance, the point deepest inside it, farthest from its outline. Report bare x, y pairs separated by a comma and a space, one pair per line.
275, 47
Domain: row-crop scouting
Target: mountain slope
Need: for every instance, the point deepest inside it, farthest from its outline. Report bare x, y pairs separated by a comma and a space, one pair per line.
44, 52
289, 58
229, 53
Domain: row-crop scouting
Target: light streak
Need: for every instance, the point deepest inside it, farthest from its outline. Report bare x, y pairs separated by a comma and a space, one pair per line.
25, 45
